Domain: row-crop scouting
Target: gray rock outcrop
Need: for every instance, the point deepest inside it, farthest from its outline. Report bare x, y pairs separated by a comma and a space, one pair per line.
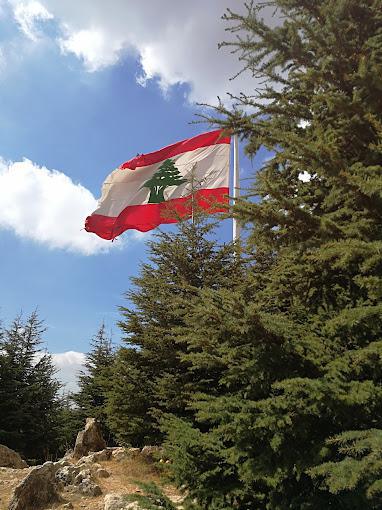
89, 440
118, 502
120, 453
66, 475
37, 490
78, 479
11, 459
88, 488
96, 457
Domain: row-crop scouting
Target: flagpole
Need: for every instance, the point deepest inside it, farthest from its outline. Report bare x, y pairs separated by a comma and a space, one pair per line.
236, 187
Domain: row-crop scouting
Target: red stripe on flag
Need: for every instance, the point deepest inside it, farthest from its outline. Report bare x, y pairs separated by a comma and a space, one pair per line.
145, 217
203, 140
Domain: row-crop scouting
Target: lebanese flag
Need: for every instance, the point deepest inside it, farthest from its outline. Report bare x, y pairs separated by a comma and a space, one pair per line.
162, 186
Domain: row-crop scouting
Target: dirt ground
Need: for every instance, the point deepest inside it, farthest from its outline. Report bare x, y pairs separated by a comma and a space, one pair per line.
123, 477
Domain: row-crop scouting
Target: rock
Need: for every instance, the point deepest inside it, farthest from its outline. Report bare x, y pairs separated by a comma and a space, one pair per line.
102, 473
89, 440
95, 457
76, 479
62, 463
121, 453
79, 481
68, 454
85, 473
88, 488
66, 475
151, 452
118, 502
87, 459
68, 506
10, 458
65, 466
37, 490
102, 456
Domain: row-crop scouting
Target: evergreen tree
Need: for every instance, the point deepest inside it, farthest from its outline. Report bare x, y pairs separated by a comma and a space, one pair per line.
28, 390
70, 420
150, 376
94, 381
297, 422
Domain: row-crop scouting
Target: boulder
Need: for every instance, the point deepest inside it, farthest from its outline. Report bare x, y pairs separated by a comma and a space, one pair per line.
152, 452
78, 479
102, 473
62, 463
89, 440
85, 473
37, 490
121, 453
66, 475
88, 488
102, 455
11, 459
96, 457
68, 454
119, 502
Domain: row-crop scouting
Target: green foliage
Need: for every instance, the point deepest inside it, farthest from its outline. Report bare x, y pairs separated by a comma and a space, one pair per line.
69, 422
357, 469
152, 499
293, 393
28, 390
129, 400
95, 381
151, 376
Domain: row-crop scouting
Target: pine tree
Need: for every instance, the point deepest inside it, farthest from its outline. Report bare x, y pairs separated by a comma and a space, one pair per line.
150, 376
94, 381
298, 420
28, 390
70, 420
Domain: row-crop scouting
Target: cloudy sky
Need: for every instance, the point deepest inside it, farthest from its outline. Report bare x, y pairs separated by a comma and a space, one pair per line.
85, 86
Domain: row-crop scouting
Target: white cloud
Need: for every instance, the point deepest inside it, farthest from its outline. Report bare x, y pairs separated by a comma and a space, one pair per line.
175, 42
68, 365
28, 14
48, 207
92, 47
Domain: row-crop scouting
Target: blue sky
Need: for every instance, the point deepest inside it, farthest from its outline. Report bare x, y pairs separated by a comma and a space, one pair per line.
83, 89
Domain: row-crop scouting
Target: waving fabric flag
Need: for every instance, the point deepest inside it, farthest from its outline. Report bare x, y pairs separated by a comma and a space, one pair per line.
156, 188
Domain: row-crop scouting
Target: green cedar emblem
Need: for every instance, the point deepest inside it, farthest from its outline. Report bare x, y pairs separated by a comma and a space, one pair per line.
167, 175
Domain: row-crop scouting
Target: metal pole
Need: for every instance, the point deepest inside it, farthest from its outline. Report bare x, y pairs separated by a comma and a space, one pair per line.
193, 193
236, 186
